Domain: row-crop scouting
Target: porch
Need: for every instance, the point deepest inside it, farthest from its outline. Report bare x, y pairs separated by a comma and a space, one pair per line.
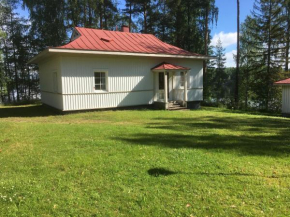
170, 86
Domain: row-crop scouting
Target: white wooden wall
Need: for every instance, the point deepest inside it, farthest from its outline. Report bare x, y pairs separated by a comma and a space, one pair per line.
130, 81
51, 91
286, 99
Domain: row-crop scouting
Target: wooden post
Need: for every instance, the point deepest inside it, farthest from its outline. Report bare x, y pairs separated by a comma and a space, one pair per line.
185, 88
165, 88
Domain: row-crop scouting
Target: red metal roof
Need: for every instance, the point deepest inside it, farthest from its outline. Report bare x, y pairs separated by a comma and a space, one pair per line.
104, 40
169, 66
285, 81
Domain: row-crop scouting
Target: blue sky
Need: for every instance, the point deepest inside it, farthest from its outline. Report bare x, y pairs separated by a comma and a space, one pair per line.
226, 28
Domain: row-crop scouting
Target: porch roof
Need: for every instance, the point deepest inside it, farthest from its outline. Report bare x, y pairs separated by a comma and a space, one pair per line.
169, 66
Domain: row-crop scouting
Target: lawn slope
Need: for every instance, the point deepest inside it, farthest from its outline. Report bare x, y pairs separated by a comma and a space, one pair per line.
143, 163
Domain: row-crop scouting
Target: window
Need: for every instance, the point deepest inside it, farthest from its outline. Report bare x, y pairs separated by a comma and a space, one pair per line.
161, 81
101, 81
182, 79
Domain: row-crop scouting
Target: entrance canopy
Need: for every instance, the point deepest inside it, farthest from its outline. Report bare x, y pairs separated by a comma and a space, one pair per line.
170, 79
168, 66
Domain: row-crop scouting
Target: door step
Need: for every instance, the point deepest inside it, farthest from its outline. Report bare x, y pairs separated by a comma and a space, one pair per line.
174, 106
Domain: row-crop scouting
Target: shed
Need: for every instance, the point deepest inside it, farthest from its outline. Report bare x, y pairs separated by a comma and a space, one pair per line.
285, 96
107, 69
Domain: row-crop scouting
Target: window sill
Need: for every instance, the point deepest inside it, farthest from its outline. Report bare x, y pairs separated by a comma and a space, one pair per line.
101, 91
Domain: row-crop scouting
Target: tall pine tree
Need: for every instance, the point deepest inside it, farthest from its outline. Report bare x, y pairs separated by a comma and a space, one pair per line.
268, 34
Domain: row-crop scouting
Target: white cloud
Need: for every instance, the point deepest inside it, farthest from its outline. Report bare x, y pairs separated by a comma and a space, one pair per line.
227, 39
230, 58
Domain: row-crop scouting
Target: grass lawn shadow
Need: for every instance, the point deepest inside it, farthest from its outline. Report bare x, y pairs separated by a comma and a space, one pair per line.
247, 136
27, 111
156, 172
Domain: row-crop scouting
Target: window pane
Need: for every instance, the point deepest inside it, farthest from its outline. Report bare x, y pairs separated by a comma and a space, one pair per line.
161, 81
97, 80
103, 86
98, 87
103, 80
97, 75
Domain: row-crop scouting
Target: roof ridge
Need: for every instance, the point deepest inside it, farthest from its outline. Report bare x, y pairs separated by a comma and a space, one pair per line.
114, 31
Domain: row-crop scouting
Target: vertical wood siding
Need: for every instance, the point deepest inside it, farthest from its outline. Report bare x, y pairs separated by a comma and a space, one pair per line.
46, 70
52, 99
109, 100
286, 99
130, 80
49, 94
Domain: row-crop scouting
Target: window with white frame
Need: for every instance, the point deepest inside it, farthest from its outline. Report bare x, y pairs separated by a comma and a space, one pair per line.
100, 81
182, 79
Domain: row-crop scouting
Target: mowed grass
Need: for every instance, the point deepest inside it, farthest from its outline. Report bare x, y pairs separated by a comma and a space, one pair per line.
208, 162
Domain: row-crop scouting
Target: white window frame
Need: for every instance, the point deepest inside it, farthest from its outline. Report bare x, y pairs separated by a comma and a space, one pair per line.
106, 71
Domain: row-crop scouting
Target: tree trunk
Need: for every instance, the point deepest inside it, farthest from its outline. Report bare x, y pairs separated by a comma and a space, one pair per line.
163, 23
145, 18
7, 71
247, 90
205, 46
85, 13
14, 60
130, 16
29, 84
101, 16
238, 56
269, 57
90, 16
188, 26
287, 39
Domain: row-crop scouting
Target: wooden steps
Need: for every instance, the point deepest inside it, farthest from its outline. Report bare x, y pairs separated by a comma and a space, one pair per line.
174, 106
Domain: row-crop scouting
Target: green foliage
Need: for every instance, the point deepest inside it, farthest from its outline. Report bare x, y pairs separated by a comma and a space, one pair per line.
181, 23
209, 162
264, 52
48, 24
18, 81
220, 80
262, 55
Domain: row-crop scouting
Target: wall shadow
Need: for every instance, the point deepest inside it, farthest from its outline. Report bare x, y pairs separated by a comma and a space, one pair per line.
247, 136
27, 111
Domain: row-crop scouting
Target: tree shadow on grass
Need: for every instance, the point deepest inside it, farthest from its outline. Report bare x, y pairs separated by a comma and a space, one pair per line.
27, 111
159, 171
247, 136
227, 123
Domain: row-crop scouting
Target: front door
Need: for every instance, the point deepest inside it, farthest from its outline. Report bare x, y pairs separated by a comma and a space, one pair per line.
169, 85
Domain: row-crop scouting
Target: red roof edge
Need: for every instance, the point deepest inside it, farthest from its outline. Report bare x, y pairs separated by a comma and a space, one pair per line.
284, 81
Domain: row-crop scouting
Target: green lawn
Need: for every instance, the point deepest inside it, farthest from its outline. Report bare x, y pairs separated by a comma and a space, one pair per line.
209, 162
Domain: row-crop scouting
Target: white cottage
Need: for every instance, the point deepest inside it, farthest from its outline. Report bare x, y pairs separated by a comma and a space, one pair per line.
108, 69
285, 96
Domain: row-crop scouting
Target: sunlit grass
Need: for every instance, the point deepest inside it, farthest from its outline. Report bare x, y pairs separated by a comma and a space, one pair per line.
209, 162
